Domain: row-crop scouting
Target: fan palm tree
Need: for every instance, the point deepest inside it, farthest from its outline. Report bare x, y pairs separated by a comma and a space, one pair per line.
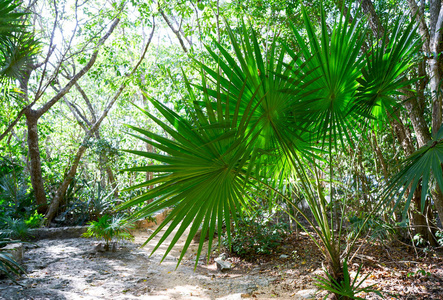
17, 46
257, 121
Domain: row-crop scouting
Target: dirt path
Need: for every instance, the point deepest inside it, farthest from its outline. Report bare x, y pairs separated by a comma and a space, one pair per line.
72, 269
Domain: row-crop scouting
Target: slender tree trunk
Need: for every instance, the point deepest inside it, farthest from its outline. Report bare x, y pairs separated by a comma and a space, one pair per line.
112, 181
422, 220
437, 196
35, 162
436, 69
362, 178
55, 203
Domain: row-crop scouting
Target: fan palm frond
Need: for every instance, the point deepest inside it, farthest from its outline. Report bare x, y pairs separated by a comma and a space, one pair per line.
201, 174
384, 74
425, 165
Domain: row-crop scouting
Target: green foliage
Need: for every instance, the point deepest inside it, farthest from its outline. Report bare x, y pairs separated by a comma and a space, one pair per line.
16, 200
109, 229
85, 201
256, 234
256, 125
439, 236
7, 264
35, 220
418, 273
13, 228
373, 225
418, 240
106, 148
345, 289
423, 165
17, 46
99, 200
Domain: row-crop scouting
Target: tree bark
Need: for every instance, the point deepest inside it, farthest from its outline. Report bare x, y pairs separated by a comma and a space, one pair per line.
35, 163
175, 31
422, 220
417, 118
435, 68
374, 21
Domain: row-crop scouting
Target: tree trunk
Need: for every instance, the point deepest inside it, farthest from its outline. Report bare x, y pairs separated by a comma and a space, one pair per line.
112, 181
363, 181
35, 162
335, 269
55, 203
421, 220
437, 196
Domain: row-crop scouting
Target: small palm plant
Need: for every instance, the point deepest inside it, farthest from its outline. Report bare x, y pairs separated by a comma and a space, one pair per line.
109, 229
346, 289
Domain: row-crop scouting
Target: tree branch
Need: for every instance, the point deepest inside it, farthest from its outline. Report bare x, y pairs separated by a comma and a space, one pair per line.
176, 32
82, 72
73, 169
88, 103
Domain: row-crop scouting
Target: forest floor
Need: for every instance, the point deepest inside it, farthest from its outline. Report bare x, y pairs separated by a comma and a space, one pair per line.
73, 269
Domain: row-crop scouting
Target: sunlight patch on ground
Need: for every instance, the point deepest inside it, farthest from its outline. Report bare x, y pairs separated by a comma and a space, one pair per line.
60, 248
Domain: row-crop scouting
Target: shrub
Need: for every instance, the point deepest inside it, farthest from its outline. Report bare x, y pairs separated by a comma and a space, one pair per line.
346, 288
255, 235
13, 228
109, 229
377, 228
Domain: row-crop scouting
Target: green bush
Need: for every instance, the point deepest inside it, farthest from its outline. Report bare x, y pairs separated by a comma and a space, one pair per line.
109, 229
16, 197
256, 235
345, 289
377, 229
13, 228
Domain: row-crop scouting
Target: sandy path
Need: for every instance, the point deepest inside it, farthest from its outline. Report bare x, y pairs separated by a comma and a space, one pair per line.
71, 269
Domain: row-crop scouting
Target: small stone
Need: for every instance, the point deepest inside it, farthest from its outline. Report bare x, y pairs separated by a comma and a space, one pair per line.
152, 272
223, 265
16, 251
284, 256
307, 294
223, 256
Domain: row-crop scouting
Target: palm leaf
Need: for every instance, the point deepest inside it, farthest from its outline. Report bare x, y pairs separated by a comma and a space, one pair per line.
336, 64
384, 72
201, 172
425, 165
